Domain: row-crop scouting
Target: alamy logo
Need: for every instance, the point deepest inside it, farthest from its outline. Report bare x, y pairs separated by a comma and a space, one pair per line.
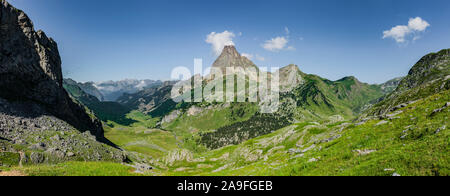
228, 84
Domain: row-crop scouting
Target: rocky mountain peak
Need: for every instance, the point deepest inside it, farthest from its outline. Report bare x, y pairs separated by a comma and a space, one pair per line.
290, 77
230, 50
230, 57
290, 68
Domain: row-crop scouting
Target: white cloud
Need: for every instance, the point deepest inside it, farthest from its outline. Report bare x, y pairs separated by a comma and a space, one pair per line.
418, 24
253, 57
275, 44
398, 33
401, 33
260, 58
249, 56
220, 40
279, 43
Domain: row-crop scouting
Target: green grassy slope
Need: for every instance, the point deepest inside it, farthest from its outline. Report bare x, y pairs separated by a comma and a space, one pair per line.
141, 136
315, 99
415, 142
76, 169
212, 119
409, 144
427, 77
319, 98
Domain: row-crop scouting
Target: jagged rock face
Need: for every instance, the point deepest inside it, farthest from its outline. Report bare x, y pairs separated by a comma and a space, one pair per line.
17, 35
230, 57
290, 77
30, 70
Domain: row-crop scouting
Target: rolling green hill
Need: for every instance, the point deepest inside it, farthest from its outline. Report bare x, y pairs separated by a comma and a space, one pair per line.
319, 98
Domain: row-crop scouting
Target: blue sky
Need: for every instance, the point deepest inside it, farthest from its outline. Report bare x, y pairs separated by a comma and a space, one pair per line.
145, 39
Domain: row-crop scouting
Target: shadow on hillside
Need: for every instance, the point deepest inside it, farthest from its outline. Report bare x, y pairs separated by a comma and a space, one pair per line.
112, 111
32, 112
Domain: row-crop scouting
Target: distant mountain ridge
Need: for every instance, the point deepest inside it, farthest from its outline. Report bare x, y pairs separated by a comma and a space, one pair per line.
104, 110
87, 87
149, 99
112, 90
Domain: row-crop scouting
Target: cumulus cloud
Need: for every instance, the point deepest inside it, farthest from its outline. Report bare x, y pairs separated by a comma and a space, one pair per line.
418, 24
220, 40
253, 57
249, 56
401, 33
398, 33
260, 58
279, 43
275, 44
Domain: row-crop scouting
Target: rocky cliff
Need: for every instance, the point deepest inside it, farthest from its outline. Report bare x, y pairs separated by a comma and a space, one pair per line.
30, 71
290, 77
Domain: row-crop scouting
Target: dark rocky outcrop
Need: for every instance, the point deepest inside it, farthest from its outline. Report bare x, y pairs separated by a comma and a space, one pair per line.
30, 71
